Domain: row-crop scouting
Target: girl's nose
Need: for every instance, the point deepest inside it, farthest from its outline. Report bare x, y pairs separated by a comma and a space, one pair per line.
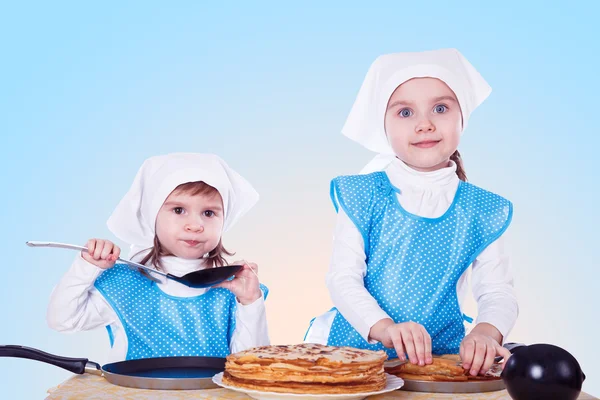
425, 126
193, 227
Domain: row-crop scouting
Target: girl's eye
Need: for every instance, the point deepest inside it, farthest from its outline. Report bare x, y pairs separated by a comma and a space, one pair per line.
405, 113
440, 109
178, 210
209, 213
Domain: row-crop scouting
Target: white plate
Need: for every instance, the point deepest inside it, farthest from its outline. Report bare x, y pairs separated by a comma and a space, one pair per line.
392, 383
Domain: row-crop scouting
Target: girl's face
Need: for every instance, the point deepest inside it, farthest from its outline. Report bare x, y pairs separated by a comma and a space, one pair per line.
423, 123
189, 226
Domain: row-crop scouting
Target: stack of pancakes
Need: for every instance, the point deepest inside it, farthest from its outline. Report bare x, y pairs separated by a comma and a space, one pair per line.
446, 368
306, 368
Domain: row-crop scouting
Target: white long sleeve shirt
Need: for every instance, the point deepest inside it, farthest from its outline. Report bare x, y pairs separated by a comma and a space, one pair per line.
76, 305
426, 194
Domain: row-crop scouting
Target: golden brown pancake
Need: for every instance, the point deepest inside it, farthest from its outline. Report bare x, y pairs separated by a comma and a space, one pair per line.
446, 368
306, 368
306, 388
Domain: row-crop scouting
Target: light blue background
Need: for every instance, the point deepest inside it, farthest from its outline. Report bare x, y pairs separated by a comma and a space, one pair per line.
88, 91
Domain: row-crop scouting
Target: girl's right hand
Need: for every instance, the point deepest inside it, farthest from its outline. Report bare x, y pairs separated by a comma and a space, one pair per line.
406, 338
101, 253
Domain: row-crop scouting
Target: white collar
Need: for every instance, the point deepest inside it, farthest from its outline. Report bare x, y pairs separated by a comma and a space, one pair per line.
403, 176
180, 266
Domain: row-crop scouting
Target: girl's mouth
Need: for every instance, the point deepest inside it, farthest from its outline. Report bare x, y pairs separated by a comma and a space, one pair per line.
426, 144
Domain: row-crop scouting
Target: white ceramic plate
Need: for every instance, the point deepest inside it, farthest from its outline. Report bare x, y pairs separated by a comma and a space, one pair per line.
392, 383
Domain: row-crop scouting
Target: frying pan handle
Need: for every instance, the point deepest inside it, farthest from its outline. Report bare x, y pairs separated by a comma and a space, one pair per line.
513, 346
75, 365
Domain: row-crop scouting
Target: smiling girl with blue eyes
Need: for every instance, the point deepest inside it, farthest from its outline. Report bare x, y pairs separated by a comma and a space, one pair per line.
410, 226
173, 217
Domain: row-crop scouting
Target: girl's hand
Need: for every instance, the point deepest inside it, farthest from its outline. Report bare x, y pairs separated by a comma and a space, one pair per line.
406, 337
245, 284
478, 351
101, 253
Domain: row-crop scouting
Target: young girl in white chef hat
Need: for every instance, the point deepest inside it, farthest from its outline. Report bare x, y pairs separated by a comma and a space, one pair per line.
173, 217
409, 226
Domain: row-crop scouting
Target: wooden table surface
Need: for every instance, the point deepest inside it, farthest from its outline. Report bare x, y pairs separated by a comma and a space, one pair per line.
95, 387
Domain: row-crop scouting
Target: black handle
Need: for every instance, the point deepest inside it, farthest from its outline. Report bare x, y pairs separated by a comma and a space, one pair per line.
75, 365
513, 346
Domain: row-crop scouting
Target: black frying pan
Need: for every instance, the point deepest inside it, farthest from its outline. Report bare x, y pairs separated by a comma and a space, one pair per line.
166, 373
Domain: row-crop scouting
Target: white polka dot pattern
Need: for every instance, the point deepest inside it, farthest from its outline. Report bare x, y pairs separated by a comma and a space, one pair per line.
414, 263
159, 325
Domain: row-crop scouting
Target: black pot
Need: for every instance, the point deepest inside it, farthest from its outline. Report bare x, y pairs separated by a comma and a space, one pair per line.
544, 372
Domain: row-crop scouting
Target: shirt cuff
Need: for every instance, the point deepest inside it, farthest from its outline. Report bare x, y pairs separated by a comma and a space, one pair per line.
504, 322
252, 311
372, 319
84, 270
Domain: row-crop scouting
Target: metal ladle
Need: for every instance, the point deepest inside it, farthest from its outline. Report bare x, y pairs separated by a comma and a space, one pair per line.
203, 278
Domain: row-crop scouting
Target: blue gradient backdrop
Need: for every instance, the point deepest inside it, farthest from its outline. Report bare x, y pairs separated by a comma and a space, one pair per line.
88, 91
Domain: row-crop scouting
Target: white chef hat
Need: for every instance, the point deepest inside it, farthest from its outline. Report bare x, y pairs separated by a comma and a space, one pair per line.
365, 123
134, 218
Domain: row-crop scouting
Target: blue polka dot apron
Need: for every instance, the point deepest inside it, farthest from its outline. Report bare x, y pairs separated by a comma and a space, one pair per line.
160, 325
414, 263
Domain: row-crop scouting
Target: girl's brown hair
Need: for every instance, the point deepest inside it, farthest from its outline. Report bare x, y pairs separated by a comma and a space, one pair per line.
216, 257
460, 168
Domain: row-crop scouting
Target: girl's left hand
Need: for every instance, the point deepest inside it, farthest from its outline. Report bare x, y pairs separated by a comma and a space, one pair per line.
245, 284
478, 351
